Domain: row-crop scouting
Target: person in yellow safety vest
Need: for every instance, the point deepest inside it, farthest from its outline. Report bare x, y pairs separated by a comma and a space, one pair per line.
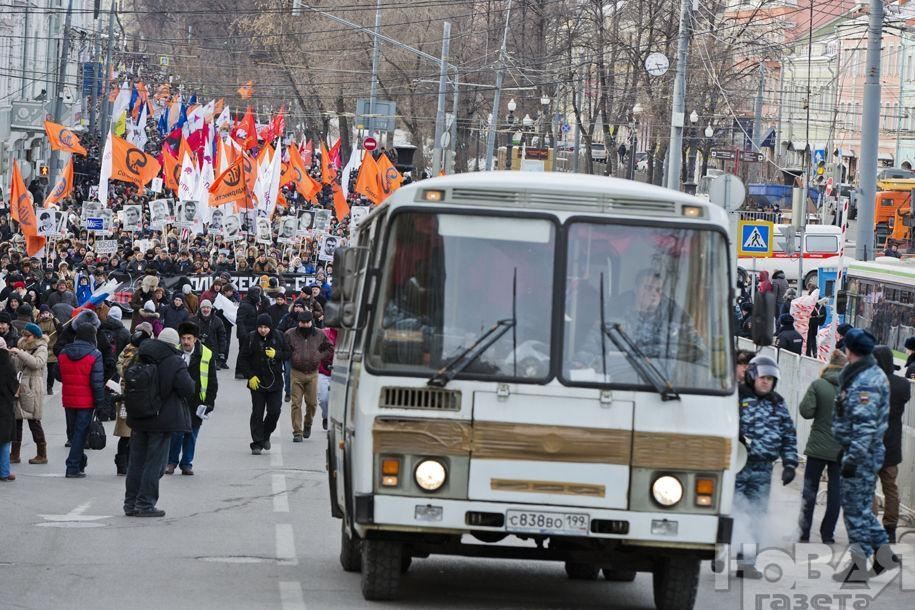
202, 367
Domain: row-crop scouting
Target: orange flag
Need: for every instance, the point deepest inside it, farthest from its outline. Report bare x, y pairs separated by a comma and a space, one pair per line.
246, 90
34, 244
171, 171
267, 149
130, 164
64, 186
63, 139
389, 179
367, 182
249, 126
306, 186
185, 149
328, 173
251, 171
231, 187
20, 197
341, 208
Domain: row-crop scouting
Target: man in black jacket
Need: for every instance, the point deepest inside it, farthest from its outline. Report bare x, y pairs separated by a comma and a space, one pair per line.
245, 321
150, 436
788, 338
201, 364
910, 358
900, 392
212, 331
261, 361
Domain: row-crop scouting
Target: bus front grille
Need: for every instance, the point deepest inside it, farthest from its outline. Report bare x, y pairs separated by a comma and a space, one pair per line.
420, 398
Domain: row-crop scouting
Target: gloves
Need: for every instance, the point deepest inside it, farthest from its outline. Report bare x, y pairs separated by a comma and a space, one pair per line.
254, 383
787, 475
848, 469
271, 353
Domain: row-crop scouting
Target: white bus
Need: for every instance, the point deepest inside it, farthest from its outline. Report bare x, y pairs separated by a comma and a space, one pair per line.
542, 361
881, 298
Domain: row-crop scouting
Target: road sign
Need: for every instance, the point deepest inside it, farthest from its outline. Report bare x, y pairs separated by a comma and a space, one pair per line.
566, 128
726, 155
370, 143
751, 156
95, 224
755, 238
728, 191
657, 64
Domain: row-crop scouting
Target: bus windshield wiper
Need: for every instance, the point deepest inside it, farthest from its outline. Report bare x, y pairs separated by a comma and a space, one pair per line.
469, 354
642, 364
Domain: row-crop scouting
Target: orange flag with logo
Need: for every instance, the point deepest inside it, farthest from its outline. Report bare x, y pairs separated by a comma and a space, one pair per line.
63, 139
367, 183
231, 187
246, 90
171, 171
341, 208
306, 186
185, 149
34, 244
20, 197
130, 164
328, 173
389, 179
64, 186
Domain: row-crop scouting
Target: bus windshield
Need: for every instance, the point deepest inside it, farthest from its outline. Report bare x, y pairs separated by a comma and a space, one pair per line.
448, 278
666, 288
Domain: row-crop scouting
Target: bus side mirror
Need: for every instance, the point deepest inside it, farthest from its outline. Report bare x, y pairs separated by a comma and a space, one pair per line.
341, 310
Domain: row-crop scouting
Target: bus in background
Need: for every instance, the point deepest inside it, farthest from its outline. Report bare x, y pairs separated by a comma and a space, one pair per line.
881, 298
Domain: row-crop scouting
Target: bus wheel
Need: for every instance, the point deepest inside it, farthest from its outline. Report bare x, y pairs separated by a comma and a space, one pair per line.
619, 575
582, 571
381, 566
350, 550
676, 580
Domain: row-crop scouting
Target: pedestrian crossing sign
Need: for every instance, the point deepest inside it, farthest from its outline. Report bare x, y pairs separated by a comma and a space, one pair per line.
755, 238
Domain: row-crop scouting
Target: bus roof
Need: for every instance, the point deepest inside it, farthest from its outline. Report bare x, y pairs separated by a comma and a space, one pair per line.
557, 191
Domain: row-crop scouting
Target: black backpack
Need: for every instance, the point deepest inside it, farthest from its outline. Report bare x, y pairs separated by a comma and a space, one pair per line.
140, 387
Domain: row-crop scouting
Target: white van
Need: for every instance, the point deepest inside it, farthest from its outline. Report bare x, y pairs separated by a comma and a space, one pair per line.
822, 246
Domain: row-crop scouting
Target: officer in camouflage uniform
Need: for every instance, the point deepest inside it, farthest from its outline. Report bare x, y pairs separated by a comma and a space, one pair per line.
767, 431
859, 423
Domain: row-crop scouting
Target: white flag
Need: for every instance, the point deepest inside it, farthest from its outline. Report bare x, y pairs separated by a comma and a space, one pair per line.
224, 119
105, 174
205, 180
187, 185
355, 161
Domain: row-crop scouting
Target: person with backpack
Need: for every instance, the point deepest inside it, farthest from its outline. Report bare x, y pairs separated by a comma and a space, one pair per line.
128, 356
157, 392
201, 364
81, 372
261, 360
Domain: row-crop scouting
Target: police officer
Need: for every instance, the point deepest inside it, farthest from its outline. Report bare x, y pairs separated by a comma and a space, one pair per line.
859, 422
767, 431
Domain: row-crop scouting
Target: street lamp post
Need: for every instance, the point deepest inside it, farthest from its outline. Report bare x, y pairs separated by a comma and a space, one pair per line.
633, 140
692, 142
544, 111
709, 134
510, 123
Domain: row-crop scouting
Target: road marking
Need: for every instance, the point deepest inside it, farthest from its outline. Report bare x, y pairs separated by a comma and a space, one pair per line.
285, 545
75, 518
276, 454
291, 595
280, 497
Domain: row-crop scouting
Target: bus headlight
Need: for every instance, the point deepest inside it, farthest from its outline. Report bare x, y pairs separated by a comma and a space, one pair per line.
667, 490
430, 475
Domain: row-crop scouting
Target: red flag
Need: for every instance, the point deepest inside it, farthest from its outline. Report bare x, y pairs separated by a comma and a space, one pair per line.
248, 128
335, 160
278, 126
308, 153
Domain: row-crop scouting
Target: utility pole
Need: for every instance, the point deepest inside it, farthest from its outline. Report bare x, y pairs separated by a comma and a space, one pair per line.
93, 107
870, 135
25, 54
438, 149
581, 95
59, 94
106, 109
899, 104
757, 117
449, 164
497, 97
376, 55
678, 112
781, 100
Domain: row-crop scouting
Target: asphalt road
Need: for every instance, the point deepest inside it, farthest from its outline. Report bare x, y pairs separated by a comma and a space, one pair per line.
252, 532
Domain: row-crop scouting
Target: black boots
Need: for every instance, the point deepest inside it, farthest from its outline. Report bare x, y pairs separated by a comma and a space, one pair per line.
120, 463
891, 533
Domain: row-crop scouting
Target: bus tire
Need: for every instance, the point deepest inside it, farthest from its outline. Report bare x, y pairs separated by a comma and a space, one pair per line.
381, 569
582, 571
675, 582
350, 550
619, 575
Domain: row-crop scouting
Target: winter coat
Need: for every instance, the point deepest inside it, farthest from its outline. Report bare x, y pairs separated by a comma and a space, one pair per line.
212, 332
66, 297
862, 410
209, 399
780, 287
117, 336
328, 362
176, 390
145, 293
121, 429
246, 318
789, 339
11, 337
765, 286
173, 316
83, 293
8, 387
50, 327
253, 360
32, 362
910, 367
81, 372
900, 393
766, 428
277, 312
192, 303
308, 349
818, 404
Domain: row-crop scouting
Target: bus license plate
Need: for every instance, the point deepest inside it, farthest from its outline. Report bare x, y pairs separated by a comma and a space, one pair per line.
542, 522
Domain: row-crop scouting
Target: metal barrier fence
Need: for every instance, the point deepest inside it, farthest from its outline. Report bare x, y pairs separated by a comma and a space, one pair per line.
797, 372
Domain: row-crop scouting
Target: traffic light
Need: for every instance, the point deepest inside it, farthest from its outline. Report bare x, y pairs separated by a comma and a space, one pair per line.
821, 172
43, 170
